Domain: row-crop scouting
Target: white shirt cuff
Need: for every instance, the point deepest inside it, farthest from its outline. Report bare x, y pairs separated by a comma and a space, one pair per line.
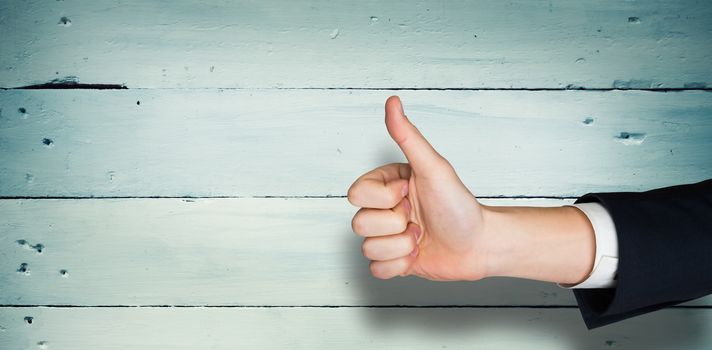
605, 266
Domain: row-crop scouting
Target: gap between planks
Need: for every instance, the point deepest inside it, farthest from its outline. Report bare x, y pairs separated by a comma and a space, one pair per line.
404, 306
104, 86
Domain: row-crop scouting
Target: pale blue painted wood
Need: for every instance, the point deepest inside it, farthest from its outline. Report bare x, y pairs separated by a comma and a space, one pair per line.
494, 44
254, 142
344, 328
315, 143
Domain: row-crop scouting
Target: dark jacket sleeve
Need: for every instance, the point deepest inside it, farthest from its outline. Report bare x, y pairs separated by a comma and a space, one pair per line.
664, 251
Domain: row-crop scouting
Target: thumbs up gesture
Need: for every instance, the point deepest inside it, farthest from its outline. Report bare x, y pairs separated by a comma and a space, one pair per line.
417, 218
420, 219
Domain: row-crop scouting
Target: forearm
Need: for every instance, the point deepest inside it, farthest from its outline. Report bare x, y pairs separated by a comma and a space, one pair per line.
555, 244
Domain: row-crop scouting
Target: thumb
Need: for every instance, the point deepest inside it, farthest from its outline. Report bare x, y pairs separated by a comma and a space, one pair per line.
421, 155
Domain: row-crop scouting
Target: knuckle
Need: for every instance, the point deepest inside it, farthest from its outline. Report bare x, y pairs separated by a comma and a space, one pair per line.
402, 224
443, 162
410, 243
357, 223
366, 248
405, 272
394, 196
440, 160
377, 271
351, 195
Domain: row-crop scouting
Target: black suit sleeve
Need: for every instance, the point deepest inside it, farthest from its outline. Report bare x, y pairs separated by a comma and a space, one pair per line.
664, 251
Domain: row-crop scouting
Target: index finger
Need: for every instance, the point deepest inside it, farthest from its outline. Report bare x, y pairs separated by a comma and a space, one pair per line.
381, 188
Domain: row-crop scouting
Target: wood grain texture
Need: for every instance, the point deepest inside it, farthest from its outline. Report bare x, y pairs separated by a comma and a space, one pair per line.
344, 328
461, 44
315, 143
252, 251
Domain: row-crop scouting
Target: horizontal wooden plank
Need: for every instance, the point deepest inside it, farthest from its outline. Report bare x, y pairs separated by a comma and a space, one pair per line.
316, 142
213, 251
529, 44
218, 252
344, 328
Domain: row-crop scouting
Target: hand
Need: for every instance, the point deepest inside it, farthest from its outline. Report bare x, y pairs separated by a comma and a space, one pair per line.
418, 218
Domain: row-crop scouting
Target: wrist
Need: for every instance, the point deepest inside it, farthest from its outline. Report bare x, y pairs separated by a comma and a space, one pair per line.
554, 244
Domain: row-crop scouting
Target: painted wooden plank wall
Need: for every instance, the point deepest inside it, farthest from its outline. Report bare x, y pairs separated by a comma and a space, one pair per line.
425, 44
245, 99
315, 143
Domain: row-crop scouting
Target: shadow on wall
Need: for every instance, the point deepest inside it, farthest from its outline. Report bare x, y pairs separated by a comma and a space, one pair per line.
558, 326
